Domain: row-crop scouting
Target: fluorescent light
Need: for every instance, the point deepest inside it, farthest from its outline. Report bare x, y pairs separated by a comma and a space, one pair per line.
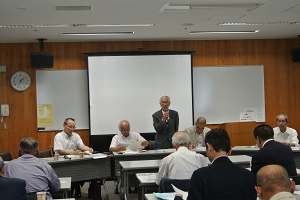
73, 25
257, 23
218, 32
99, 33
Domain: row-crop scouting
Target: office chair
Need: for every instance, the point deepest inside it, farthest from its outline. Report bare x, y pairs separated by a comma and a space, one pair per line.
45, 154
6, 156
165, 185
151, 145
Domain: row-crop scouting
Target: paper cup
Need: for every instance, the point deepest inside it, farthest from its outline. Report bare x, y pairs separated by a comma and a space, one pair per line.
140, 150
56, 157
81, 154
41, 195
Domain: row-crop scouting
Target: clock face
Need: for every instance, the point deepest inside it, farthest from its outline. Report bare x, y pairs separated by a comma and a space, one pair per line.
20, 81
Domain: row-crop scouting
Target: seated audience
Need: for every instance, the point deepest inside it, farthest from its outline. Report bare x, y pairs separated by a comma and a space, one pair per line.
197, 133
11, 188
273, 183
38, 174
283, 133
222, 179
122, 140
271, 152
68, 142
182, 163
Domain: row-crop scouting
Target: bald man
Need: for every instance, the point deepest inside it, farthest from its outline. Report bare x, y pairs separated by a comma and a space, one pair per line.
197, 133
121, 141
273, 183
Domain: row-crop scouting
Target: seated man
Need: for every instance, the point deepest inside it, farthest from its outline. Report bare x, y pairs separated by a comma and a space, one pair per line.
197, 133
271, 152
222, 179
121, 141
38, 174
284, 134
273, 183
68, 142
182, 163
11, 188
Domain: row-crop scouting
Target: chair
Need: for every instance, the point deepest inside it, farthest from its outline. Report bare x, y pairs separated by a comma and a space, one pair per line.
296, 179
151, 145
6, 156
165, 184
45, 154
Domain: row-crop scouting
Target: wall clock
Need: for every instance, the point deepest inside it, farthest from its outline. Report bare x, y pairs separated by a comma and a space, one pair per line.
20, 81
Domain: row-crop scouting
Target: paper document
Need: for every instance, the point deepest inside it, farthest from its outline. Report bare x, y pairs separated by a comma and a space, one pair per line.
178, 191
99, 155
87, 152
165, 196
134, 146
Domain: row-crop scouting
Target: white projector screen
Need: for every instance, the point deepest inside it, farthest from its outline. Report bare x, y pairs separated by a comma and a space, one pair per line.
130, 86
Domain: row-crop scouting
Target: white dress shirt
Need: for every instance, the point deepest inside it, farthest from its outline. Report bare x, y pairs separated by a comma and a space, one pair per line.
180, 164
63, 142
290, 136
119, 139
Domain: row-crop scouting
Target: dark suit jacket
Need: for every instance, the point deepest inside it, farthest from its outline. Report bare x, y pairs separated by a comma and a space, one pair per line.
222, 180
12, 189
164, 131
274, 153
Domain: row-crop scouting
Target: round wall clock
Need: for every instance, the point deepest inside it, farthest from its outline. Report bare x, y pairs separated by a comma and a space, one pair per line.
20, 81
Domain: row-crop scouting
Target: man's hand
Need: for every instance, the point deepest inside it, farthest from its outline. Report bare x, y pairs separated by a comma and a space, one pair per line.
76, 152
121, 148
145, 143
91, 150
165, 116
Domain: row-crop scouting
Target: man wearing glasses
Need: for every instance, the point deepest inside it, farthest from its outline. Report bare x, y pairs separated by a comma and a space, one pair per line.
284, 134
69, 143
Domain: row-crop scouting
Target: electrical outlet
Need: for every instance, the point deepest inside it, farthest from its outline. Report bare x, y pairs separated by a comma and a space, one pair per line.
4, 126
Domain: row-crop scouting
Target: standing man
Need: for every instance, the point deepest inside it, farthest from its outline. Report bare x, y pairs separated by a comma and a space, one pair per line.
69, 143
273, 183
122, 140
197, 133
165, 122
222, 179
271, 152
182, 163
38, 174
284, 134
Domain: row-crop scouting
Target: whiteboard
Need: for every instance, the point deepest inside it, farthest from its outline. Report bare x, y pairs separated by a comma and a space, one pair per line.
221, 93
67, 91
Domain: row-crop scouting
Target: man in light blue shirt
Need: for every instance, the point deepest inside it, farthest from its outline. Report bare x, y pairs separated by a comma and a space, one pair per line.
38, 174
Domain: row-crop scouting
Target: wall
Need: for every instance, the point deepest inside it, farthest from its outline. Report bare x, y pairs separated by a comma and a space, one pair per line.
282, 77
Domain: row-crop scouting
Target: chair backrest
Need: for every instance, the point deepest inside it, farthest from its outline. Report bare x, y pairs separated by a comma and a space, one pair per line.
165, 185
45, 154
151, 145
6, 156
296, 179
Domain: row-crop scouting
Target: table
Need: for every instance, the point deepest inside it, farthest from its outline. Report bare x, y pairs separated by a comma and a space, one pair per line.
65, 186
81, 169
145, 180
134, 167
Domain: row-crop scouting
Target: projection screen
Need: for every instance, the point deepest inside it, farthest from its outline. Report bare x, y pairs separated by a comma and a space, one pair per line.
129, 87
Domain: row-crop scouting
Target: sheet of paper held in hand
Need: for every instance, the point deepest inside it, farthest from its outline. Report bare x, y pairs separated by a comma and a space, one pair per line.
178, 191
134, 146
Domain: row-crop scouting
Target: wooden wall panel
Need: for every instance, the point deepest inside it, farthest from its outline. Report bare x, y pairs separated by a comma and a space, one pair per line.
282, 77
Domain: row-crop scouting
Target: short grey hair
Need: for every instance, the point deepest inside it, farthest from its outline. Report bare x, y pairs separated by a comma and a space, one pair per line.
180, 138
123, 121
169, 100
29, 145
286, 117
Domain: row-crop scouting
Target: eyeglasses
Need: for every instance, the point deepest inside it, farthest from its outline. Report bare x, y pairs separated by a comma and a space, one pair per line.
71, 127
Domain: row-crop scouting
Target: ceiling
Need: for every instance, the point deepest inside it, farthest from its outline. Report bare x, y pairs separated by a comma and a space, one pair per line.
175, 25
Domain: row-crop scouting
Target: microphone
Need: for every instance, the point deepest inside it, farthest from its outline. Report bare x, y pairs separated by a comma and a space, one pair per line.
167, 120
